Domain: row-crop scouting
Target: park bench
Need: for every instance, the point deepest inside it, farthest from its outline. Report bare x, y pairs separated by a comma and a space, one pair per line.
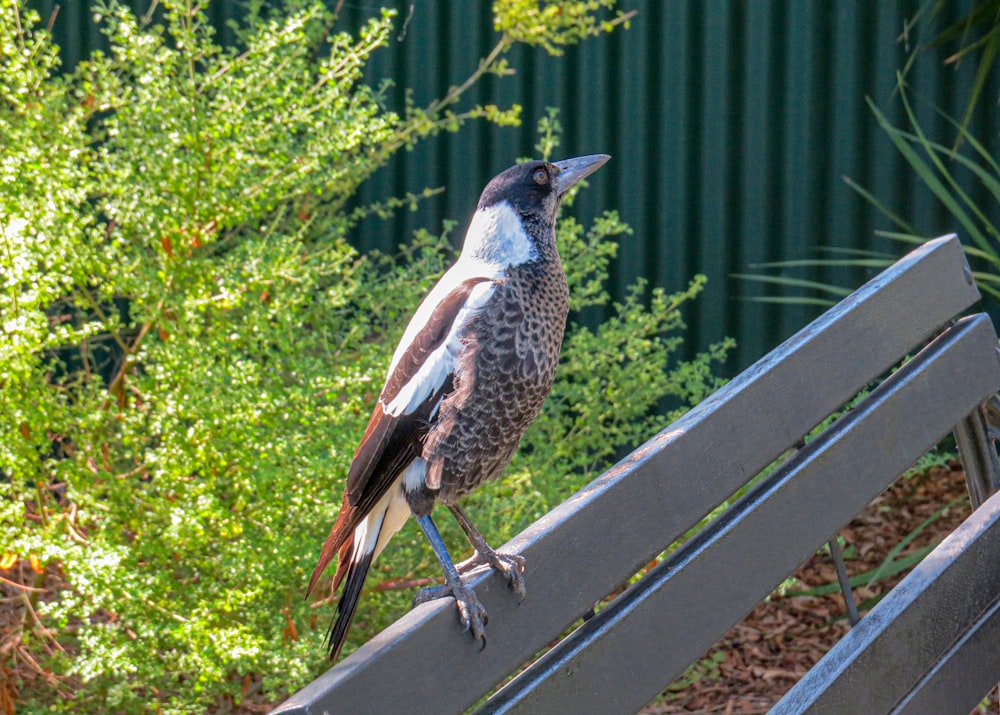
930, 646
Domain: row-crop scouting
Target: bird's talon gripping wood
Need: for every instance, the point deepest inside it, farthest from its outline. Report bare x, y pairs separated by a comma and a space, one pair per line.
510, 566
470, 374
471, 612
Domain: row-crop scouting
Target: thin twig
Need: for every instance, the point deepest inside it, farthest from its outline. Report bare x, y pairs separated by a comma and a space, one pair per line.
21, 586
38, 623
52, 18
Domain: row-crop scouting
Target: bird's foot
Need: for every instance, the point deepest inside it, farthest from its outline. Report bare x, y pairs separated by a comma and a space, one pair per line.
471, 612
510, 566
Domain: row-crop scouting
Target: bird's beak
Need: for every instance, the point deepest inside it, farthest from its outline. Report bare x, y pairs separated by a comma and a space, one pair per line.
572, 170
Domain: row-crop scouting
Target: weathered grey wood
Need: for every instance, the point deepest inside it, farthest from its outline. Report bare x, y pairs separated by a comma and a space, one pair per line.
649, 635
586, 547
965, 674
929, 647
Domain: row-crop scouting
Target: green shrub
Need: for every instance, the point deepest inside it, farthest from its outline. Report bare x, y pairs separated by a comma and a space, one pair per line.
191, 348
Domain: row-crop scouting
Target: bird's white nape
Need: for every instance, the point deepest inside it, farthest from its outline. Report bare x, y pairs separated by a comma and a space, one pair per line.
496, 236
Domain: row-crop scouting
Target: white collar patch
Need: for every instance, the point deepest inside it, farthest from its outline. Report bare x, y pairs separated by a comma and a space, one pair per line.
496, 236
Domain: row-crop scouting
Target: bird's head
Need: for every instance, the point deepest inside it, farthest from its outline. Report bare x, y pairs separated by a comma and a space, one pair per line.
517, 209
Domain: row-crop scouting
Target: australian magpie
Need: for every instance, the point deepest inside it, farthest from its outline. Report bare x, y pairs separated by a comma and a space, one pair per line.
471, 372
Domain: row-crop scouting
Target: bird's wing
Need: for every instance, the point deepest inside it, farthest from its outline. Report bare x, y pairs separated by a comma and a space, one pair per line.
420, 376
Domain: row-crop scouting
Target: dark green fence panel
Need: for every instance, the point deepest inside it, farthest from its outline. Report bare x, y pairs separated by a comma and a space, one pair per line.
731, 125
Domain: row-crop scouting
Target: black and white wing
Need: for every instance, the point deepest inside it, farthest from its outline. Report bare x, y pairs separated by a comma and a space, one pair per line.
420, 376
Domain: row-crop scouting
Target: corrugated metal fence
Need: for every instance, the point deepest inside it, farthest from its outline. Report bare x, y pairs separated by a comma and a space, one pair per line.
731, 124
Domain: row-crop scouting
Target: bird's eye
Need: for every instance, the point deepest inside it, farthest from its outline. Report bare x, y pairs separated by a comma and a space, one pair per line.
541, 176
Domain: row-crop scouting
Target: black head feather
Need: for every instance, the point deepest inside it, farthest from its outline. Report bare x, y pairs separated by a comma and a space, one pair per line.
535, 188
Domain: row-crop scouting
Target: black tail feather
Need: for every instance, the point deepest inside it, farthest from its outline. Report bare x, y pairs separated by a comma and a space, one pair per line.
348, 604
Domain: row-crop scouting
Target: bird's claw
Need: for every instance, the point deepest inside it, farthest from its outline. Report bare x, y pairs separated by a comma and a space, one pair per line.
471, 612
510, 566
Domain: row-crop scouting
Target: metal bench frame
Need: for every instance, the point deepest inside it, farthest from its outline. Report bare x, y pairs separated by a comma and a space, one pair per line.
584, 549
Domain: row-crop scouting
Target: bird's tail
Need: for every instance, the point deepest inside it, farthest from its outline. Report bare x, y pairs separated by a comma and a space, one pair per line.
356, 569
357, 550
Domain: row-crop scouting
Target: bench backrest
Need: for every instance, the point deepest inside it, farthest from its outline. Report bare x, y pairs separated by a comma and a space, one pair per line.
585, 548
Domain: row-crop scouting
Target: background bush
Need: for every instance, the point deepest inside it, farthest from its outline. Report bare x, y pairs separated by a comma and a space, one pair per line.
191, 347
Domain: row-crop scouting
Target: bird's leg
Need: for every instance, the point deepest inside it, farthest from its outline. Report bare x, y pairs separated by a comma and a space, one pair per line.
470, 610
510, 565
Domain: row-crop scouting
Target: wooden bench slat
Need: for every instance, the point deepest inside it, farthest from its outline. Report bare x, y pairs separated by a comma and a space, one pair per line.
619, 660
972, 667
929, 645
586, 547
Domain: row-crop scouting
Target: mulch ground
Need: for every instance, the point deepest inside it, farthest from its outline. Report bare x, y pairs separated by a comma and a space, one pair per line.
761, 658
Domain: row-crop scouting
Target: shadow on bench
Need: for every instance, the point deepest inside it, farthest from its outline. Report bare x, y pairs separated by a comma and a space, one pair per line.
928, 647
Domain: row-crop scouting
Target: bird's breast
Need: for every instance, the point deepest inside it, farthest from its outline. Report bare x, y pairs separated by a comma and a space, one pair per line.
502, 379
521, 328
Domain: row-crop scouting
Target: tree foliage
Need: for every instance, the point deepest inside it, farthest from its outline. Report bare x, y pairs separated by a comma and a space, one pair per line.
190, 349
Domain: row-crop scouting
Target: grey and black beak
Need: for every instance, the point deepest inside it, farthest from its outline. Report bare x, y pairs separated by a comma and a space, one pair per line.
572, 170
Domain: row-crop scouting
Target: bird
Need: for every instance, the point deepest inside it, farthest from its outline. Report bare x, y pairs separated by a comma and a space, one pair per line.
470, 374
